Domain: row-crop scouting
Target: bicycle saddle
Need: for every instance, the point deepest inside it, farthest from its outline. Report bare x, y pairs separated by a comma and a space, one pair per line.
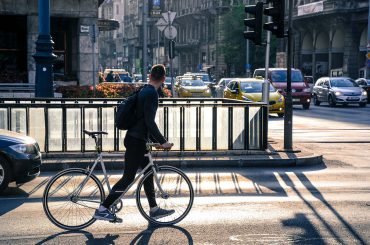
91, 133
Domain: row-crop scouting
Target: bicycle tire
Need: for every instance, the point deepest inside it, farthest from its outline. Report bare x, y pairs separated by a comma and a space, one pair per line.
94, 186
187, 191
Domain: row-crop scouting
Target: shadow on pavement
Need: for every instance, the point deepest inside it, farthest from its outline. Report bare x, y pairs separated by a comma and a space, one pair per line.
54, 239
163, 235
317, 194
151, 235
10, 192
310, 234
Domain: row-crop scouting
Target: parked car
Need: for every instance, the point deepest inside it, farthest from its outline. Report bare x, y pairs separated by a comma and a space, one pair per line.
338, 90
192, 87
137, 77
20, 158
220, 87
365, 84
250, 89
301, 92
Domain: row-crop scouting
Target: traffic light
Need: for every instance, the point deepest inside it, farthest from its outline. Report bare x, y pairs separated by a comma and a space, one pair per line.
277, 13
255, 23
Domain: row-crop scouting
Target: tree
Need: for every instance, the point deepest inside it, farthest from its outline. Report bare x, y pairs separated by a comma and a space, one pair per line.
234, 44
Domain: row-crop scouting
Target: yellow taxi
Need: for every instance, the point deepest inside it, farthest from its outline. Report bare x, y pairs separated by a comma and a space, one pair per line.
192, 87
250, 89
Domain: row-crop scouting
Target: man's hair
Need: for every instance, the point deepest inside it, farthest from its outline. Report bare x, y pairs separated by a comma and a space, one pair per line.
158, 72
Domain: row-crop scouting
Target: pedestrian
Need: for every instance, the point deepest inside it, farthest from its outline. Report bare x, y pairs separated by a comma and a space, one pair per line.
135, 142
110, 77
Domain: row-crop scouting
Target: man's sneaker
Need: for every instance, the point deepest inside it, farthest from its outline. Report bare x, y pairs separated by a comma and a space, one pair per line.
104, 215
160, 213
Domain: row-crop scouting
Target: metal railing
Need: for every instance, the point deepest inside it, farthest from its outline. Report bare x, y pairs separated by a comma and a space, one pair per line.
192, 124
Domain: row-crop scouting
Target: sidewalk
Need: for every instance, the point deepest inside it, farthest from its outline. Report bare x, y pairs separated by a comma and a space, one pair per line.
274, 156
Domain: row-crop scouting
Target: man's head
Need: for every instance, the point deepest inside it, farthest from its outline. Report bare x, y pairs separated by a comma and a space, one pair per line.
157, 74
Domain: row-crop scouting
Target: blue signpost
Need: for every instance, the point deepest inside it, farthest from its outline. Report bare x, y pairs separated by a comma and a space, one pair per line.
44, 56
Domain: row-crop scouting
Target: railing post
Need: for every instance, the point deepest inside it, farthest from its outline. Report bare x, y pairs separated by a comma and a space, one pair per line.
214, 128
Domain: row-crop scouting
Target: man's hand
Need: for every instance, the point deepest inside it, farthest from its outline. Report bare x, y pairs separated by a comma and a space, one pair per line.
167, 146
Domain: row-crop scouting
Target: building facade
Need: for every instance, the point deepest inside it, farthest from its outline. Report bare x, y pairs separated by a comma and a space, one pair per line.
70, 21
198, 41
331, 37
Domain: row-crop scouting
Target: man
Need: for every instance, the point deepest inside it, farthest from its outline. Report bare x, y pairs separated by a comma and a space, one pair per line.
135, 143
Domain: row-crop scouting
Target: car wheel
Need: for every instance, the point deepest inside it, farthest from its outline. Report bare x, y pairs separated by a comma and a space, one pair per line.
306, 106
280, 114
331, 101
363, 104
316, 100
4, 173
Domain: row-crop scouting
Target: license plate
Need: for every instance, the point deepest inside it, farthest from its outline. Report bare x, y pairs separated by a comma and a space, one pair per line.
296, 100
353, 98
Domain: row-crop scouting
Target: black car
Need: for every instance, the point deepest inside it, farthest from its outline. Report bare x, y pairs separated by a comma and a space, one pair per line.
20, 158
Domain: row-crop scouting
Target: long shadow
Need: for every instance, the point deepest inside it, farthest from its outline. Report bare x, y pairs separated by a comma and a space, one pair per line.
315, 192
310, 235
7, 204
108, 239
167, 235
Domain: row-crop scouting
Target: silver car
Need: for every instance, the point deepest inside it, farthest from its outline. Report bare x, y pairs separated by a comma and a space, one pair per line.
220, 87
338, 90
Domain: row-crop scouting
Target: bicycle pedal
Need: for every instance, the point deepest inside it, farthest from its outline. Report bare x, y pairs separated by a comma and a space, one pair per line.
117, 220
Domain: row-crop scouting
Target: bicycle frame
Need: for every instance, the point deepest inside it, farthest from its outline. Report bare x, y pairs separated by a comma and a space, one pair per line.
99, 159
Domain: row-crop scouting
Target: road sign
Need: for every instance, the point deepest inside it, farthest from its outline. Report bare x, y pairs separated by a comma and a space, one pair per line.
170, 32
161, 24
169, 16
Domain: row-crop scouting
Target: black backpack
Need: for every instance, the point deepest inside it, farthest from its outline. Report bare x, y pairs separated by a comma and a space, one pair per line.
126, 112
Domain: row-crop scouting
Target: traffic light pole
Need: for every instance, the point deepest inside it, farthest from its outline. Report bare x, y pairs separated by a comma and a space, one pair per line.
145, 41
288, 118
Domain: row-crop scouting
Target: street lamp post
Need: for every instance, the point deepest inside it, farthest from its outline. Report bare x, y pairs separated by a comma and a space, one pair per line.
44, 56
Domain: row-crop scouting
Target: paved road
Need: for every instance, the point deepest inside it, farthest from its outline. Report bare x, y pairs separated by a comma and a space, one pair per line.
341, 134
328, 204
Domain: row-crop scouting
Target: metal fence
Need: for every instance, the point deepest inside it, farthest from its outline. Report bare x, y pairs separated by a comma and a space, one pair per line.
191, 124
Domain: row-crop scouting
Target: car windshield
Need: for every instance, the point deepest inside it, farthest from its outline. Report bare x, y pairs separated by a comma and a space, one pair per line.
254, 87
194, 83
281, 76
343, 83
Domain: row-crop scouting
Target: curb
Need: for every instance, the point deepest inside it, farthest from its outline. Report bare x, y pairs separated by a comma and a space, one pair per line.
193, 163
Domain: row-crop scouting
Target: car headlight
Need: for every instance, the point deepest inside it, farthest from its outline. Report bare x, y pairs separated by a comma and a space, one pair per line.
364, 93
246, 98
207, 91
24, 148
307, 90
281, 99
338, 93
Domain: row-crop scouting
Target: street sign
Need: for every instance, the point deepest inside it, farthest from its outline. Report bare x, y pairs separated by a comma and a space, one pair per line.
169, 16
161, 24
170, 32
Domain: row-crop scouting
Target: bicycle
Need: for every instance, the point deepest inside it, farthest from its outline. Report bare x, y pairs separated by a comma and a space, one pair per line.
72, 195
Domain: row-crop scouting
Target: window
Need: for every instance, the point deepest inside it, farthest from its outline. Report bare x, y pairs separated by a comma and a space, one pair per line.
231, 84
117, 9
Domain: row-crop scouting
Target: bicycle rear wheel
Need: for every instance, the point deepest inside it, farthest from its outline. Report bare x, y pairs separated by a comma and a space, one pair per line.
178, 195
64, 206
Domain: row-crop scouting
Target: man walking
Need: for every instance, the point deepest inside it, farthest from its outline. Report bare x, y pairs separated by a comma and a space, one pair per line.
135, 143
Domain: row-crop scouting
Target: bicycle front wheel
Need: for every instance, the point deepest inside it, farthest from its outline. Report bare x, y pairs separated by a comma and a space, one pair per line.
177, 195
71, 197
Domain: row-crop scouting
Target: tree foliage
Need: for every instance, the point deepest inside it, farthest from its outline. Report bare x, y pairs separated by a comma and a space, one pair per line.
234, 44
